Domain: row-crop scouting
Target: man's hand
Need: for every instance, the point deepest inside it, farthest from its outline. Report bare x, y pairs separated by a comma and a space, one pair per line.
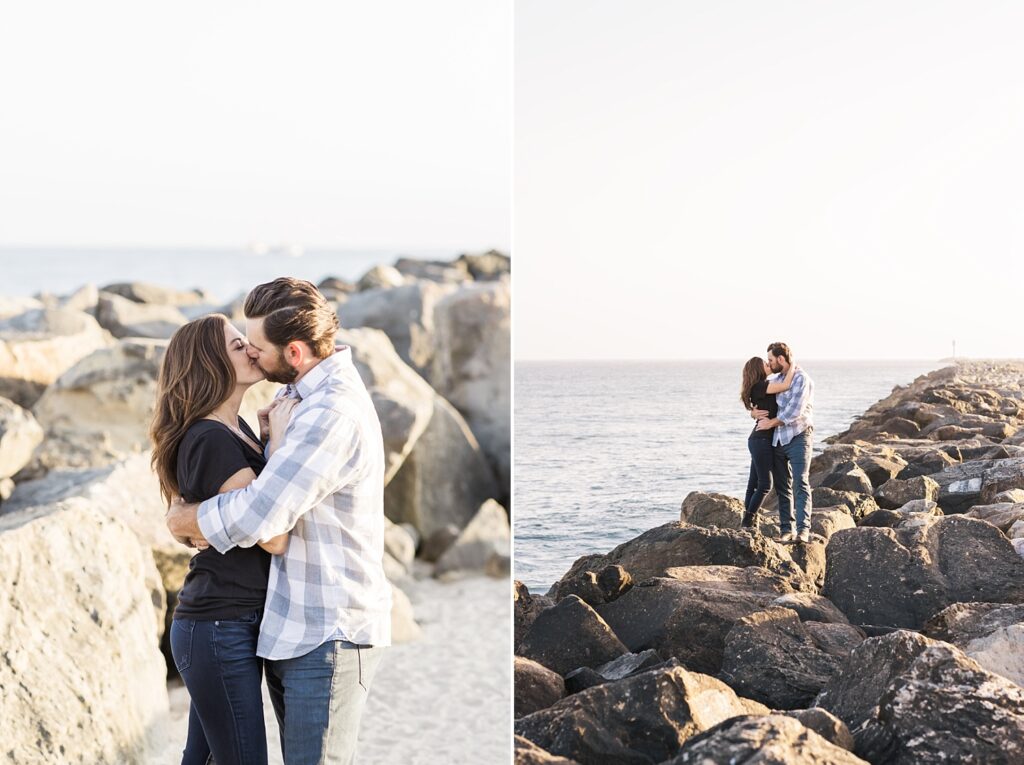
759, 414
183, 524
765, 424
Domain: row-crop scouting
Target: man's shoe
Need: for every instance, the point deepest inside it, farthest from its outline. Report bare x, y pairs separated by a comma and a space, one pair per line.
786, 538
804, 537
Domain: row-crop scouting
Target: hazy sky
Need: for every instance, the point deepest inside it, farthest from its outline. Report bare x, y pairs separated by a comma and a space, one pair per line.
372, 124
694, 180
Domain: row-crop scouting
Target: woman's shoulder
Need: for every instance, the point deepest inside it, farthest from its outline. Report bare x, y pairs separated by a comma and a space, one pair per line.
206, 431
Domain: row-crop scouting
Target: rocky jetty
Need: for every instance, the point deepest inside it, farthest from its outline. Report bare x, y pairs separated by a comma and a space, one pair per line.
89, 573
894, 636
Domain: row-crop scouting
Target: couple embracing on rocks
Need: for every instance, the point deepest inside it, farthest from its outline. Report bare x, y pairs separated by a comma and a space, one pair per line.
289, 578
780, 396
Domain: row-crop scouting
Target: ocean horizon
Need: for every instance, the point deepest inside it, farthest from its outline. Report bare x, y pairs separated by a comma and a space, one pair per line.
605, 450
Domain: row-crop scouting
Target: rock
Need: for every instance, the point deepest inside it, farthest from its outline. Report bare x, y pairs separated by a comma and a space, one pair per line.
85, 298
825, 724
709, 509
82, 679
774, 739
536, 687
380, 277
582, 678
499, 565
881, 468
399, 543
858, 505
848, 477
142, 292
404, 628
896, 492
405, 314
334, 288
1002, 515
438, 542
404, 401
990, 633
811, 608
685, 620
100, 409
925, 461
598, 587
528, 753
883, 519
678, 544
124, 318
1010, 495
444, 479
773, 657
20, 434
486, 535
908, 699
1016, 530
915, 572
629, 664
37, 346
570, 635
825, 522
642, 719
6, 489
526, 608
975, 483
434, 271
12, 306
472, 367
487, 266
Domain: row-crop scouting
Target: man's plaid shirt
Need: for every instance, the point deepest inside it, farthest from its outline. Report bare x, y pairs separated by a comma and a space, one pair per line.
324, 485
796, 408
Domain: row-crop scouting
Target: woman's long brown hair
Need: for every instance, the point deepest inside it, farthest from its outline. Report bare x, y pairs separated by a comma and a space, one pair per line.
753, 373
196, 377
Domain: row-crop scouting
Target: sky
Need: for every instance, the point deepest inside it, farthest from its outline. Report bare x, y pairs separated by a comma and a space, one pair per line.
696, 180
216, 124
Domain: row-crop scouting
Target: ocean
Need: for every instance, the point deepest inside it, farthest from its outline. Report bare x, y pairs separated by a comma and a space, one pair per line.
606, 450
223, 272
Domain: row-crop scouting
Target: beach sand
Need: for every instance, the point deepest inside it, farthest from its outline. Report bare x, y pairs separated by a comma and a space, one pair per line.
444, 699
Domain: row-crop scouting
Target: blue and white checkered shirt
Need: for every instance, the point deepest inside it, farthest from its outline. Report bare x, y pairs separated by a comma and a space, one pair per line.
324, 485
796, 407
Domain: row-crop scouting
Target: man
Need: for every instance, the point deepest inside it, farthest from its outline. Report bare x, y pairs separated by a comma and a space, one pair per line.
328, 608
791, 442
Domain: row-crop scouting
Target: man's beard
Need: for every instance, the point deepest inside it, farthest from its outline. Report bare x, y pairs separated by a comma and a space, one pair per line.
281, 372
775, 366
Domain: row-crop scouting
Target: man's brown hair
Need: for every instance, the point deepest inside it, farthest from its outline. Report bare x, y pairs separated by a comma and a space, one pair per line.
294, 309
780, 350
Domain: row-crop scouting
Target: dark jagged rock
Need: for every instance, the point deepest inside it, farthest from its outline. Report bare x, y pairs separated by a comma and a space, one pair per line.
709, 509
848, 476
812, 608
598, 587
1002, 515
901, 577
990, 633
536, 687
858, 505
641, 720
909, 699
679, 544
825, 724
525, 611
773, 657
774, 739
895, 493
570, 635
528, 753
582, 678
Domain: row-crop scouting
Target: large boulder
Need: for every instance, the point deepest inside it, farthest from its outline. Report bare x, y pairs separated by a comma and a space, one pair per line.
773, 657
487, 266
82, 679
526, 609
901, 577
144, 292
454, 272
20, 434
484, 537
37, 346
701, 508
640, 720
536, 687
472, 366
1002, 515
528, 753
570, 635
444, 479
598, 587
405, 314
676, 544
126, 318
909, 699
847, 476
380, 277
687, 620
765, 740
897, 492
990, 633
963, 486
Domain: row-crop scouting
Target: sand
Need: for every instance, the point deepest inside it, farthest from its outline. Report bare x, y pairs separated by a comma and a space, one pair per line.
444, 699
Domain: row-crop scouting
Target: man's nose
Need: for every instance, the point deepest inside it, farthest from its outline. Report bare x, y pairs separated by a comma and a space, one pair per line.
252, 352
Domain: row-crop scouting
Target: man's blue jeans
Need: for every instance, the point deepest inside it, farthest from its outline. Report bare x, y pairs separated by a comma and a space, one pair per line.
319, 699
793, 466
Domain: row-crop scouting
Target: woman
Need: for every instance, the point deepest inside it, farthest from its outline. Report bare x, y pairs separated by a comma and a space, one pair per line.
757, 393
201, 447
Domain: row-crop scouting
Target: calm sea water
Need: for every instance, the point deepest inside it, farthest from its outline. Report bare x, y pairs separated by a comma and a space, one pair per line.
605, 451
225, 273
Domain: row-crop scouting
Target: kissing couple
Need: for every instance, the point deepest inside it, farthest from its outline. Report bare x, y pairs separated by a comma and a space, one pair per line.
780, 397
289, 524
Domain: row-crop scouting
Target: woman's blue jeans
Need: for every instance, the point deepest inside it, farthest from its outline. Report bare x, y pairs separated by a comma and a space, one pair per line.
224, 676
762, 460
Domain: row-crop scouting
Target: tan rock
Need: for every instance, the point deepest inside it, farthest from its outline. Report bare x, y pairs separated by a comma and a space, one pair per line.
20, 434
404, 628
486, 536
127, 318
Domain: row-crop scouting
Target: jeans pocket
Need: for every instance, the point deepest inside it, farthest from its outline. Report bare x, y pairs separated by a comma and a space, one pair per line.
181, 643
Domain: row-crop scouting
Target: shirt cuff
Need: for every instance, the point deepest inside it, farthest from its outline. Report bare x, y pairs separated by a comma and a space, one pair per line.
211, 523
